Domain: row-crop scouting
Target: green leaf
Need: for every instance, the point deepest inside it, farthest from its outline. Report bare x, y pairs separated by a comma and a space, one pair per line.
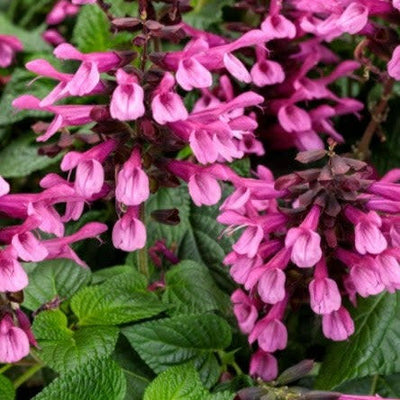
119, 300
7, 391
221, 396
171, 341
63, 349
177, 383
99, 379
191, 289
31, 40
208, 368
107, 273
17, 86
374, 348
138, 375
91, 32
206, 12
49, 279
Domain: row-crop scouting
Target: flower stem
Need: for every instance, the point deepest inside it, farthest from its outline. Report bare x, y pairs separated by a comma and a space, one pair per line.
374, 384
142, 257
27, 374
377, 117
5, 368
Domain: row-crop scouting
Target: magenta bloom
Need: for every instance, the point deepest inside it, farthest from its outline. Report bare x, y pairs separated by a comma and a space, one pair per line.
9, 45
12, 276
132, 182
14, 343
338, 325
127, 99
129, 233
394, 64
245, 311
263, 365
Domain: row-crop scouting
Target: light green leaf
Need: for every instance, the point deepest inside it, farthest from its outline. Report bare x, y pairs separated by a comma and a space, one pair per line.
191, 289
49, 279
7, 391
119, 300
91, 32
64, 349
107, 273
176, 383
172, 341
17, 86
374, 348
99, 379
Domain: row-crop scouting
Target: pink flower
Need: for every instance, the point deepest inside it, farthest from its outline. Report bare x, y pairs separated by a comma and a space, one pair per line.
28, 247
278, 27
9, 45
12, 276
4, 187
83, 1
266, 72
129, 233
166, 105
394, 64
338, 325
245, 311
354, 18
294, 119
389, 271
368, 237
127, 99
236, 68
324, 292
305, 243
61, 10
132, 182
271, 286
14, 343
263, 365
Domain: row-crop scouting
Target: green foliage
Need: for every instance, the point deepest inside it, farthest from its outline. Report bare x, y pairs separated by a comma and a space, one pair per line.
175, 340
119, 300
49, 279
7, 391
31, 40
17, 86
191, 289
181, 382
63, 349
206, 12
373, 348
98, 379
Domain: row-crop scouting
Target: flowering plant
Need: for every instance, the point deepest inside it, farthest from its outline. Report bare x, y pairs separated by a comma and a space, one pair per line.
199, 199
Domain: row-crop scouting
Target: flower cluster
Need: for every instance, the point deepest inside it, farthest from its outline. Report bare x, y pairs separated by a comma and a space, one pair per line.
328, 233
9, 45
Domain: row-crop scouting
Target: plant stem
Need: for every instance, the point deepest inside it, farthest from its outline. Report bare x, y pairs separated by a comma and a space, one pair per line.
200, 4
32, 11
12, 9
377, 117
374, 384
142, 257
5, 368
27, 374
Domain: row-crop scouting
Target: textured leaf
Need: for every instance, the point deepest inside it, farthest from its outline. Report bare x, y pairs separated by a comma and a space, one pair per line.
206, 13
99, 379
63, 349
384, 386
31, 40
17, 86
191, 289
171, 341
119, 300
208, 368
49, 279
7, 391
373, 349
106, 273
138, 375
176, 383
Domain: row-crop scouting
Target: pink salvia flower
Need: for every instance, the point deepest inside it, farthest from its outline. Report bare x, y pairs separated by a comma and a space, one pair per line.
9, 45
12, 276
278, 27
304, 241
132, 183
324, 292
338, 325
28, 247
4, 187
394, 64
129, 233
14, 343
127, 99
245, 311
166, 105
263, 365
354, 18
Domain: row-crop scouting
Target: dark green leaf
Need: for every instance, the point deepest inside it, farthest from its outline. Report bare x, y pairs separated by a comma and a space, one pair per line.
206, 12
171, 341
374, 348
191, 289
99, 379
64, 349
